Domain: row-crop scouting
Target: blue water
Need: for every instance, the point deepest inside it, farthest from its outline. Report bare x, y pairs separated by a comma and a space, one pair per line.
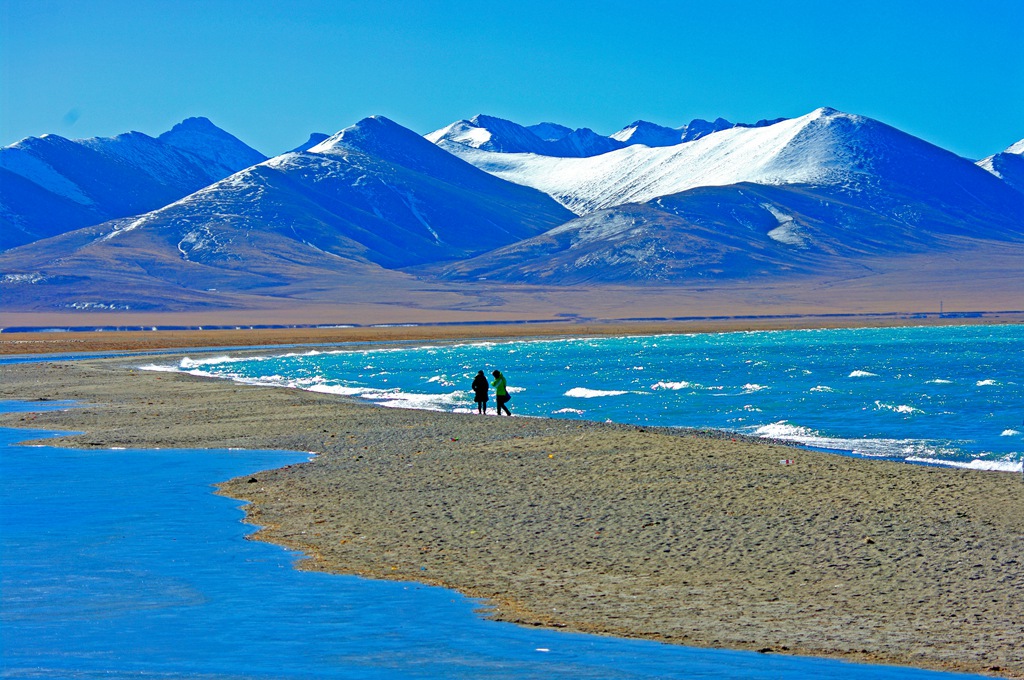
123, 564
952, 395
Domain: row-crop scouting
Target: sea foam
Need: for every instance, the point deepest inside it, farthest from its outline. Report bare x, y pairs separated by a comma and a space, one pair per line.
586, 393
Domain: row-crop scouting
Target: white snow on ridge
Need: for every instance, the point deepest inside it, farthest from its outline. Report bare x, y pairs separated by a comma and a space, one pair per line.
462, 133
1015, 149
22, 161
801, 150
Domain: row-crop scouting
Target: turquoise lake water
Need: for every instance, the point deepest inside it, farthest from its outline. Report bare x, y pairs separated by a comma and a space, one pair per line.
939, 395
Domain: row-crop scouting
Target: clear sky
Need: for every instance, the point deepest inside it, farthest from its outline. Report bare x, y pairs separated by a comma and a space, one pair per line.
271, 72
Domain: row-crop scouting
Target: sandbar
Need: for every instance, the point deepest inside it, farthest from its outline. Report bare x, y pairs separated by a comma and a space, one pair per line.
688, 537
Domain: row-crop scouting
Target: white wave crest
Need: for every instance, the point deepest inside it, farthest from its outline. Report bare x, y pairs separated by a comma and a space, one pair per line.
986, 383
784, 430
681, 385
862, 374
426, 402
939, 381
336, 389
586, 393
159, 368
1009, 433
868, 448
754, 387
899, 408
985, 465
188, 363
569, 410
822, 388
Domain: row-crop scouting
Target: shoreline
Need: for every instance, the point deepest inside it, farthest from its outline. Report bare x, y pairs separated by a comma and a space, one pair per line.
612, 529
65, 341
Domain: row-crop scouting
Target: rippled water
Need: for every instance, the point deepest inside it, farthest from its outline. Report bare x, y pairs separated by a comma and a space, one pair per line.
951, 395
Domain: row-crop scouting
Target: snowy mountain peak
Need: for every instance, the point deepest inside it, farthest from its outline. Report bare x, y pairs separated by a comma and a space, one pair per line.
370, 133
197, 124
825, 147
1007, 165
648, 134
53, 185
384, 140
549, 132
211, 145
489, 133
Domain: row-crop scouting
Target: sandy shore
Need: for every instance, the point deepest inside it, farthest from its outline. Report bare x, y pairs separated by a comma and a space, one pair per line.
42, 342
684, 537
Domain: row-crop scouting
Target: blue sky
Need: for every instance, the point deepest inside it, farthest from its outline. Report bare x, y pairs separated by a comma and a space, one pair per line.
951, 72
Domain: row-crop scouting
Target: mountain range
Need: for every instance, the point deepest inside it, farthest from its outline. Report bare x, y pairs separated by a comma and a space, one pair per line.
49, 184
488, 133
195, 219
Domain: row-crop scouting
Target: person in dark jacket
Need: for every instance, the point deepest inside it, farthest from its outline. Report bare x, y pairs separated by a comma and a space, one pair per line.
480, 388
501, 392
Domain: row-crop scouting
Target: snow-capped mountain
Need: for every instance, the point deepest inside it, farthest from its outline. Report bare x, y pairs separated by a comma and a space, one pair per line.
1008, 165
503, 136
652, 134
550, 132
825, 147
823, 192
215, 149
378, 207
49, 184
374, 195
488, 133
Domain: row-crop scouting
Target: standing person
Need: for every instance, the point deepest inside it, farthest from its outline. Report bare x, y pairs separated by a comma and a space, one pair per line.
480, 388
501, 392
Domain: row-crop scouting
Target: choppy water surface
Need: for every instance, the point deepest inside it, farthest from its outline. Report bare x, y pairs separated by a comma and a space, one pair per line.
123, 564
952, 395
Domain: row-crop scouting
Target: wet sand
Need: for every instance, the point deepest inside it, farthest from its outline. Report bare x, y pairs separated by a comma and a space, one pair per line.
695, 538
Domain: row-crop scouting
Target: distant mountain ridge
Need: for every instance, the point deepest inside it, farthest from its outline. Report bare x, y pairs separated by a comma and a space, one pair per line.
49, 184
489, 133
372, 198
378, 206
822, 191
824, 147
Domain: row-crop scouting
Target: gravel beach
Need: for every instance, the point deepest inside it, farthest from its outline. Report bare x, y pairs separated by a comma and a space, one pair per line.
689, 537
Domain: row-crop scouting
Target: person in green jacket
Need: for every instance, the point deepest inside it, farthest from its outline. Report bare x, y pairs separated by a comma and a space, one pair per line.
501, 392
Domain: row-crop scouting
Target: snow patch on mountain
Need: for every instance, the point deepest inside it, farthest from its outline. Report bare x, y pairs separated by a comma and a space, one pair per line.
462, 132
488, 133
1007, 165
788, 231
649, 134
23, 158
809, 150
